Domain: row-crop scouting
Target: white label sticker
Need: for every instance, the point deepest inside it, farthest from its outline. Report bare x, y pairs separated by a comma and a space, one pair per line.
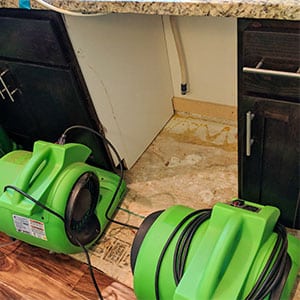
30, 226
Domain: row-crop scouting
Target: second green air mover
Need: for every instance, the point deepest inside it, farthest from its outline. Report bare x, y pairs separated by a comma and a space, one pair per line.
52, 198
234, 251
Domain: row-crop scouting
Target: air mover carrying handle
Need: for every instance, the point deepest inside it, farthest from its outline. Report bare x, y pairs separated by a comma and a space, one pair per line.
234, 235
45, 164
222, 251
25, 178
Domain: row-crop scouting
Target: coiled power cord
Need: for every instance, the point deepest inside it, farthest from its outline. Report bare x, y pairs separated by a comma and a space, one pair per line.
182, 246
272, 278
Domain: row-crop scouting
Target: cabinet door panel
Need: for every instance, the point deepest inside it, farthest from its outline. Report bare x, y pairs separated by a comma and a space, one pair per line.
270, 175
272, 86
284, 45
269, 38
31, 37
44, 91
49, 101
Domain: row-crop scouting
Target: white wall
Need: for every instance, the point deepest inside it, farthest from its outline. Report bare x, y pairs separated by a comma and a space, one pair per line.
131, 68
124, 61
210, 45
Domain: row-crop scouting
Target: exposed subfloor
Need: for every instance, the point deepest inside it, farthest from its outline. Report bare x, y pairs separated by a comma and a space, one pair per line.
193, 162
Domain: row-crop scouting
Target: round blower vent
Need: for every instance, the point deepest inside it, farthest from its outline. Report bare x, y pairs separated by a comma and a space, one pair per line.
82, 224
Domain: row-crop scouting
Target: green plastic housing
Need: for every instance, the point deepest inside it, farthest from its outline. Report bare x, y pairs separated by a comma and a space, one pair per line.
48, 174
226, 256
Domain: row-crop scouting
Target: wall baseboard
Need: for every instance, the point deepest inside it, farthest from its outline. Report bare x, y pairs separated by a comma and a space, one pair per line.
208, 109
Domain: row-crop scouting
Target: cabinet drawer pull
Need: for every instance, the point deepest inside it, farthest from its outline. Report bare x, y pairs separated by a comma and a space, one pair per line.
271, 72
249, 140
14, 91
5, 87
1, 95
3, 73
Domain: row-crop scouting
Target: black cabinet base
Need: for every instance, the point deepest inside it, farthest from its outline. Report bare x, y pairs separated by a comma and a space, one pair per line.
269, 115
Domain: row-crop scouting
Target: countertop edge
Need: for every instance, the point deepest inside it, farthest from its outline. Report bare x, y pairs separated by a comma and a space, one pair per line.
269, 10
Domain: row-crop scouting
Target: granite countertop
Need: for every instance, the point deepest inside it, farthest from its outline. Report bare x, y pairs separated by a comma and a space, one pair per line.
271, 9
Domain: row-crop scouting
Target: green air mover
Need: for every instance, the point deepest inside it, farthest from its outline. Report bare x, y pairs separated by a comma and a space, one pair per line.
52, 199
234, 251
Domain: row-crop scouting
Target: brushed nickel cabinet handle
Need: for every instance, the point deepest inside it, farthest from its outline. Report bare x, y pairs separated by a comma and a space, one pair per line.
271, 72
5, 87
3, 73
249, 141
1, 94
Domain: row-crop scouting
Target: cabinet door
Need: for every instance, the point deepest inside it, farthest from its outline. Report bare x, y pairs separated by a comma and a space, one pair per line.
33, 36
51, 92
269, 172
47, 101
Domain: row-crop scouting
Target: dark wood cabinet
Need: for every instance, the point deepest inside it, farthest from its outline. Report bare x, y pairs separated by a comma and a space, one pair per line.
43, 90
269, 115
37, 103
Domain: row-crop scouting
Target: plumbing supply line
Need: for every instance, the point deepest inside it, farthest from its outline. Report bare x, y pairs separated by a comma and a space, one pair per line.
180, 53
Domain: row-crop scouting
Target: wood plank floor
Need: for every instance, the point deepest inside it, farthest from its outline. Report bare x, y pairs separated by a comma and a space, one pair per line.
28, 272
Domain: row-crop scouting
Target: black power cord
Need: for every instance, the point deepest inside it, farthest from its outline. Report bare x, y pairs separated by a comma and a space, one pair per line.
62, 141
275, 271
64, 221
181, 248
88, 259
38, 203
184, 242
272, 278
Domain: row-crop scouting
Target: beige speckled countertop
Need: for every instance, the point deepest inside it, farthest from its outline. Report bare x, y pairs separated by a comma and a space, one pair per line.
270, 9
